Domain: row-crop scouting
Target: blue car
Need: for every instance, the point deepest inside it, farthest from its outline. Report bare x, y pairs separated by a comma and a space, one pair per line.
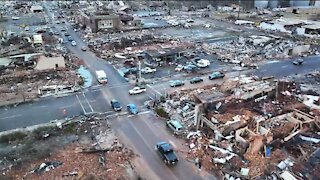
216, 75
132, 108
175, 83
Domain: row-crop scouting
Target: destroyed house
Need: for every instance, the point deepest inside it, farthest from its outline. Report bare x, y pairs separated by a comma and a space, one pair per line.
165, 54
312, 29
283, 25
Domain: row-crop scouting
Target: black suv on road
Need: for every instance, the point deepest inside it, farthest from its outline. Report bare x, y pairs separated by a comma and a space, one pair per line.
167, 153
115, 105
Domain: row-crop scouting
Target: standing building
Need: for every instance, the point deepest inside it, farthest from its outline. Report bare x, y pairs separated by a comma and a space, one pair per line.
101, 22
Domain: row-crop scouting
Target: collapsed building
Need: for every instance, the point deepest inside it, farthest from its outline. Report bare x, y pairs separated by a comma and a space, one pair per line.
28, 72
254, 49
249, 128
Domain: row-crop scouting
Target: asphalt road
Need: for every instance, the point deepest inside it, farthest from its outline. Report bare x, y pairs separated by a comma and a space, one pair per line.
143, 143
285, 68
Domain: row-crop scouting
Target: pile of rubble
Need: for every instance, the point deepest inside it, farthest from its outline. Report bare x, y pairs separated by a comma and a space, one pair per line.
84, 147
246, 132
254, 49
20, 86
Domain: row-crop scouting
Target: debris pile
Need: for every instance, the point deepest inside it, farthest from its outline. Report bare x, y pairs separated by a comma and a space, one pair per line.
267, 134
82, 147
255, 49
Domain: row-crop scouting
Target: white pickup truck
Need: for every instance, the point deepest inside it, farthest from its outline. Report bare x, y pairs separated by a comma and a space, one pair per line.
137, 90
202, 63
101, 76
148, 70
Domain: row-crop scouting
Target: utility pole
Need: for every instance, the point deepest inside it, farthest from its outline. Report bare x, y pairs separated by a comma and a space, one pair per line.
238, 10
139, 78
277, 91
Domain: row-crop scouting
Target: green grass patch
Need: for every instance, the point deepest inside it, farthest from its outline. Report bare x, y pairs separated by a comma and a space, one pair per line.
69, 128
15, 136
39, 132
162, 113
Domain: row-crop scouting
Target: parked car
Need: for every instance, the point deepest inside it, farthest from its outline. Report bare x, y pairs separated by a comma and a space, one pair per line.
167, 153
70, 38
73, 43
148, 70
132, 108
175, 126
190, 68
202, 63
196, 80
115, 105
137, 90
298, 62
176, 83
179, 68
84, 48
128, 71
216, 75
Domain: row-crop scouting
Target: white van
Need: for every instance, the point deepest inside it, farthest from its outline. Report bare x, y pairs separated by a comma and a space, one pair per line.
101, 76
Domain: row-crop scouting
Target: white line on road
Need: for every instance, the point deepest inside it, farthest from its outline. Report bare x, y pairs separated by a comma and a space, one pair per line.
154, 90
173, 144
64, 107
150, 97
140, 113
118, 85
87, 102
145, 112
13, 116
81, 104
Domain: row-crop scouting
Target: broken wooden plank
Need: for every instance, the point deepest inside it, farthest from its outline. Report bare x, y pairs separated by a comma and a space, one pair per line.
291, 135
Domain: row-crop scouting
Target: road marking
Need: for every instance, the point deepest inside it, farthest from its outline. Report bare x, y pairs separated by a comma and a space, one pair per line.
13, 116
154, 89
284, 66
144, 112
85, 98
129, 116
173, 144
81, 104
64, 107
118, 85
44, 106
150, 97
141, 136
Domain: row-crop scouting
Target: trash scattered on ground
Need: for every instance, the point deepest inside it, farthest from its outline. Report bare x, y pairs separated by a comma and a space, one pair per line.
80, 147
255, 128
